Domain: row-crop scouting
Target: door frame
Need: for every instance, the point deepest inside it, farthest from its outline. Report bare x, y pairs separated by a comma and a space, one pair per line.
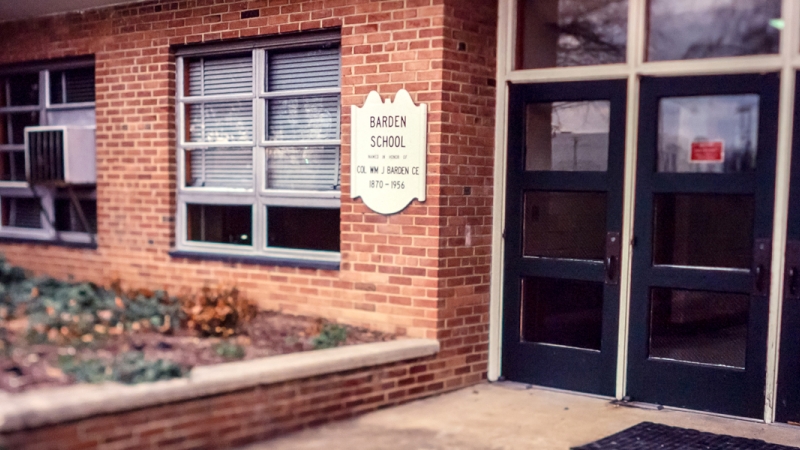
787, 62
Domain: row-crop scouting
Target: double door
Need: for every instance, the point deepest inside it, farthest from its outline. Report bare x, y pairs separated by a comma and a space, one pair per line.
701, 246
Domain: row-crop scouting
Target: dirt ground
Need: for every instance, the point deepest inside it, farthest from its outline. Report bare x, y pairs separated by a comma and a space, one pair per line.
269, 333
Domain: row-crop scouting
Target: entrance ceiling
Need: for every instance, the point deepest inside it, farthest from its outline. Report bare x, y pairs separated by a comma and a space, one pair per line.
15, 10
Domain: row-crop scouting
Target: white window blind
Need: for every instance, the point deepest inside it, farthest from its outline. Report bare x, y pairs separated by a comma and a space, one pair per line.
303, 118
221, 167
220, 122
311, 168
299, 117
304, 69
221, 76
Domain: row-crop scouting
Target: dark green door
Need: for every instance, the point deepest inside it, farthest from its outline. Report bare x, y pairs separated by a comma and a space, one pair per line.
701, 258
562, 244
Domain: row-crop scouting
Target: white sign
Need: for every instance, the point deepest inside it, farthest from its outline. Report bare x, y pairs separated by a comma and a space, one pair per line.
388, 152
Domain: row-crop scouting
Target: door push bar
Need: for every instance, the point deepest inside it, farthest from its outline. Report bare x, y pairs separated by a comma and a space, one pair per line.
762, 258
613, 251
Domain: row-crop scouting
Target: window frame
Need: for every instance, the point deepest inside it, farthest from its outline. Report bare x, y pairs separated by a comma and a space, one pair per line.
22, 189
257, 194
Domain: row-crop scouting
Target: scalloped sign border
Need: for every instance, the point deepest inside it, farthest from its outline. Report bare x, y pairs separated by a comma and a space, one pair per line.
388, 159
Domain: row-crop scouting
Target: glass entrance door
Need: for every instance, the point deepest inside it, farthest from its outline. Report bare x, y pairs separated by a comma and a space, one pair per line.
562, 247
701, 256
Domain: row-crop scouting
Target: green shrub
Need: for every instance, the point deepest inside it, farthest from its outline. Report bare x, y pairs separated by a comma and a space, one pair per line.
132, 368
128, 368
330, 336
85, 371
229, 350
5, 342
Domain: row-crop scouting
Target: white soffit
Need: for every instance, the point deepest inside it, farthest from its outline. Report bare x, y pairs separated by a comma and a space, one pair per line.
17, 10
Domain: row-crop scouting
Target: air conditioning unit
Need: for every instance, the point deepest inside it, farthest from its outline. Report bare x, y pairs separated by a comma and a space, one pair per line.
60, 155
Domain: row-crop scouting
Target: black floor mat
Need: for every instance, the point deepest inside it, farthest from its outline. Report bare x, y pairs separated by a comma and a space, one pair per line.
647, 435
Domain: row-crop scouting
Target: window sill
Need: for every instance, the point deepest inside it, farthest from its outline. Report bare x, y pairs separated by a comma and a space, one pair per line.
257, 260
59, 243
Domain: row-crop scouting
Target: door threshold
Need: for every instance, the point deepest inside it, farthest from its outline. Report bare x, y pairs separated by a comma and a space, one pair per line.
516, 385
520, 386
657, 407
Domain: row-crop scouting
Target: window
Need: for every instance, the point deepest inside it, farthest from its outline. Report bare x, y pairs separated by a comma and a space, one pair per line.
258, 150
694, 29
59, 93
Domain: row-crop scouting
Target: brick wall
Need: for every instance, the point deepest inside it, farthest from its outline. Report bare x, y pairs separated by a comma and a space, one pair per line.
423, 272
241, 417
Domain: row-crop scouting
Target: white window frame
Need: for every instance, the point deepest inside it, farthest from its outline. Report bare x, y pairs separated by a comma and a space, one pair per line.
22, 189
257, 195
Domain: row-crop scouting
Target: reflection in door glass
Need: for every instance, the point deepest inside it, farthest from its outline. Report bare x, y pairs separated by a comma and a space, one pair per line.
567, 136
703, 230
712, 134
562, 33
692, 29
562, 312
699, 326
569, 225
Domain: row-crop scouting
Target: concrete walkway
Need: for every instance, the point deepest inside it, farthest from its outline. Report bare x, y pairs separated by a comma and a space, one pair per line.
506, 416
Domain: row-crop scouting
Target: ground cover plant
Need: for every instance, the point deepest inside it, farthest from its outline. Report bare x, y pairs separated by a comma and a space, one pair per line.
56, 332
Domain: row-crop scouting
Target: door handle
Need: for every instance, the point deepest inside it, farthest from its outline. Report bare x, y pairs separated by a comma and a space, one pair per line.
613, 250
791, 290
611, 268
760, 278
762, 258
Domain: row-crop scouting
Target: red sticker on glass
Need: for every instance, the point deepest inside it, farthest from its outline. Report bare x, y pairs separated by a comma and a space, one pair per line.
707, 152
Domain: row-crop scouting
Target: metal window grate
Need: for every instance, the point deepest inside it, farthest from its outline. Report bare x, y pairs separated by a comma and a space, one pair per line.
46, 156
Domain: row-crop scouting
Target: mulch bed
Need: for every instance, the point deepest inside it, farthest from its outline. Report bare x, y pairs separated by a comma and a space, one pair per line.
32, 366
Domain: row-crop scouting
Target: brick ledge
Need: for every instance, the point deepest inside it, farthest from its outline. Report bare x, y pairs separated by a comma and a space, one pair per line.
62, 404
